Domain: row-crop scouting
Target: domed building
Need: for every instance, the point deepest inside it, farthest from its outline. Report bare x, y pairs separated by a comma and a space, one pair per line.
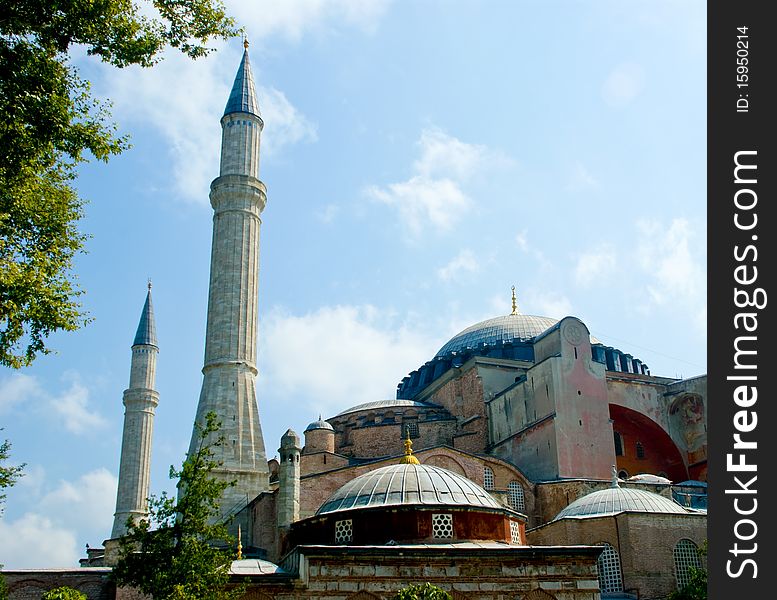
516, 423
649, 541
410, 522
534, 412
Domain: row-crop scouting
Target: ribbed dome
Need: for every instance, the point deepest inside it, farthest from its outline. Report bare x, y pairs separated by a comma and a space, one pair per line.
615, 500
505, 328
408, 484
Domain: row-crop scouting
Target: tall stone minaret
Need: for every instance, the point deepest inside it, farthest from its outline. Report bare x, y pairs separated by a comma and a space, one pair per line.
140, 402
229, 382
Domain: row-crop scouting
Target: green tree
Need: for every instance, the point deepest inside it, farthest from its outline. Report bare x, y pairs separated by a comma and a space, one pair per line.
49, 123
8, 473
425, 591
179, 551
63, 593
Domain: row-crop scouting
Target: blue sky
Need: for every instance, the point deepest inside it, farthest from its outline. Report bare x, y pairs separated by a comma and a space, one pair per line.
420, 159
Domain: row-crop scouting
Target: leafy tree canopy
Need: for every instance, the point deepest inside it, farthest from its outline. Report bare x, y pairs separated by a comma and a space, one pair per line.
63, 593
425, 591
49, 121
180, 551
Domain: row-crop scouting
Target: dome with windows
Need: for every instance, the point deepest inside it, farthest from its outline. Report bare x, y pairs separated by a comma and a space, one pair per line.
616, 500
408, 484
507, 328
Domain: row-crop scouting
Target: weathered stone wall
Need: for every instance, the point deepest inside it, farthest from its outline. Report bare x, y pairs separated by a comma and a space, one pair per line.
476, 576
92, 581
644, 543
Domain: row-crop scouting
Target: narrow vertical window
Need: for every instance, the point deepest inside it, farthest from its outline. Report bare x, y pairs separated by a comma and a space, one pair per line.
488, 478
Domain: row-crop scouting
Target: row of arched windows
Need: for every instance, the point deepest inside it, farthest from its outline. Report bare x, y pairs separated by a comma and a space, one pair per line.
515, 496
685, 555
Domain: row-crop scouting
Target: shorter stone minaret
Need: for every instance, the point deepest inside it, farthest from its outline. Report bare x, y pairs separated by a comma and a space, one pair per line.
288, 479
140, 402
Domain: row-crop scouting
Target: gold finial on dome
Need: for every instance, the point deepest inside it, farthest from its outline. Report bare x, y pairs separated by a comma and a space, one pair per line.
239, 545
408, 458
515, 303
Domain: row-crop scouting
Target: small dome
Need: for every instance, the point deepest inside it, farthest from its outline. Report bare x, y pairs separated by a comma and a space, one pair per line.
648, 478
408, 484
616, 500
320, 424
254, 566
505, 328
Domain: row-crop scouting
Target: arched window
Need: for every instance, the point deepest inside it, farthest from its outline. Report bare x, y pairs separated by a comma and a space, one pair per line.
515, 496
686, 555
609, 565
640, 450
488, 478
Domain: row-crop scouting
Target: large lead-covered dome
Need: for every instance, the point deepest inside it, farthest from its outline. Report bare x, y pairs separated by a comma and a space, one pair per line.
405, 484
506, 328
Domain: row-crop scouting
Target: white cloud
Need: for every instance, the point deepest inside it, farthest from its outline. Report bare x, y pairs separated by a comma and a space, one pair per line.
623, 84
443, 155
548, 304
72, 407
463, 263
69, 408
17, 389
672, 261
355, 354
419, 200
595, 266
183, 100
47, 535
434, 195
35, 541
294, 18
85, 504
284, 124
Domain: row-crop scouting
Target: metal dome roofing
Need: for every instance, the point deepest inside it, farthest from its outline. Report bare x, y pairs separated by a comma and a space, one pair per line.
505, 328
407, 484
320, 424
254, 566
616, 500
380, 404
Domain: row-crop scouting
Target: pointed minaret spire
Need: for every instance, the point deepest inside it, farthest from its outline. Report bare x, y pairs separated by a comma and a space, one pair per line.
140, 402
238, 198
242, 98
146, 333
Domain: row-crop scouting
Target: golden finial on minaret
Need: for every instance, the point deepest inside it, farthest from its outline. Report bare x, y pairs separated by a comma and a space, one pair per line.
239, 545
149, 284
245, 43
515, 303
408, 458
